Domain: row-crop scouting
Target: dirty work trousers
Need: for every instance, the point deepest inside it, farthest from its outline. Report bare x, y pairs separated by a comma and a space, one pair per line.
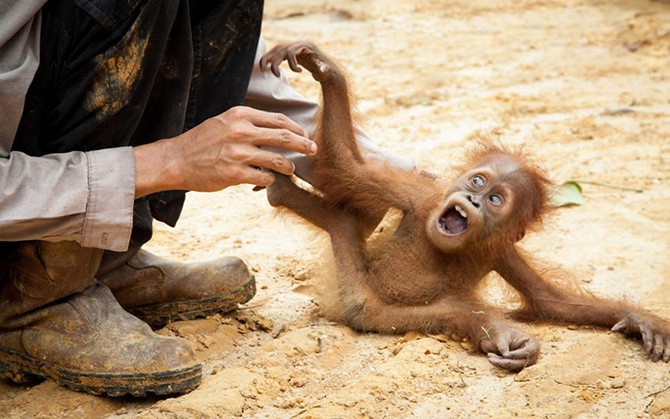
127, 72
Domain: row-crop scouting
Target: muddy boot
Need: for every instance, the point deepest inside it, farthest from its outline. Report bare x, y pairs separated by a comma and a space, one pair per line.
159, 291
58, 323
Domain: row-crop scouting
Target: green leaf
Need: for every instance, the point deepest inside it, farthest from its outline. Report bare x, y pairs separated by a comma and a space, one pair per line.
567, 194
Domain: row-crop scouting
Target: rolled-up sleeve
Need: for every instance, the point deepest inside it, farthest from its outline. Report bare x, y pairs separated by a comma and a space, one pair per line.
82, 196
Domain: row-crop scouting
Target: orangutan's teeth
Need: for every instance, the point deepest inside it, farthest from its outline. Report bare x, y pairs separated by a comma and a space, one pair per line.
460, 211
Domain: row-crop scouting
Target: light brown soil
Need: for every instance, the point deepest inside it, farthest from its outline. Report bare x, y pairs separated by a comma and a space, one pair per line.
584, 85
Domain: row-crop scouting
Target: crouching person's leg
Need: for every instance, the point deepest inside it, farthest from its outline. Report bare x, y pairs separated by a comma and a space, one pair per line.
58, 323
113, 78
159, 291
225, 36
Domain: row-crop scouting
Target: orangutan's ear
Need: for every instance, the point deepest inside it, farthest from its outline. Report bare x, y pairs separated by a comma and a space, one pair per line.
520, 235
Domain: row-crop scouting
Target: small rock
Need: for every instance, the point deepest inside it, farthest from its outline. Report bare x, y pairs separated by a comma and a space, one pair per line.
618, 382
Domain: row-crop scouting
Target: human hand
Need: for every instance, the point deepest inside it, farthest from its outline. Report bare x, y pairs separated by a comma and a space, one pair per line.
222, 151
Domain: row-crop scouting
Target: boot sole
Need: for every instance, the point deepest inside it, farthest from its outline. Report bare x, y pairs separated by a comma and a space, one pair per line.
158, 315
23, 369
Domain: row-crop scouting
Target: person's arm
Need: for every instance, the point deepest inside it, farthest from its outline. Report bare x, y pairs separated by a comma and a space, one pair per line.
85, 197
229, 149
88, 197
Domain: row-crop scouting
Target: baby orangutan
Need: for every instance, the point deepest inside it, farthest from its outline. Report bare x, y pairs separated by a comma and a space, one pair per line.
449, 237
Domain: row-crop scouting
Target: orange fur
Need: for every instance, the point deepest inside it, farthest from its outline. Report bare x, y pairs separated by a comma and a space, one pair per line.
421, 274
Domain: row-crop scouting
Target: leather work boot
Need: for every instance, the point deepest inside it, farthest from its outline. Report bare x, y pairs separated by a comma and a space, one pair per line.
159, 291
57, 322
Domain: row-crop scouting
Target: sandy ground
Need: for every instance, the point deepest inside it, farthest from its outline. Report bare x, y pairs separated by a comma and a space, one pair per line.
584, 84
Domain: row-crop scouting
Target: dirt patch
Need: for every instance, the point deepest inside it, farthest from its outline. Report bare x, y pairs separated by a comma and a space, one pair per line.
584, 85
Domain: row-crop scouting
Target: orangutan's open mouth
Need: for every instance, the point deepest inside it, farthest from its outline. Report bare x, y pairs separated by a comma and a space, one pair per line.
453, 221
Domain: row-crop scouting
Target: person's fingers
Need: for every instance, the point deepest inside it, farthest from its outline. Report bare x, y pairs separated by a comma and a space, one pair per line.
266, 129
284, 139
274, 120
276, 130
272, 161
254, 176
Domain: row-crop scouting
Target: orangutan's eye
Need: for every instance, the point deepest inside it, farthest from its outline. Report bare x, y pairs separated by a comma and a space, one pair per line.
478, 181
496, 200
